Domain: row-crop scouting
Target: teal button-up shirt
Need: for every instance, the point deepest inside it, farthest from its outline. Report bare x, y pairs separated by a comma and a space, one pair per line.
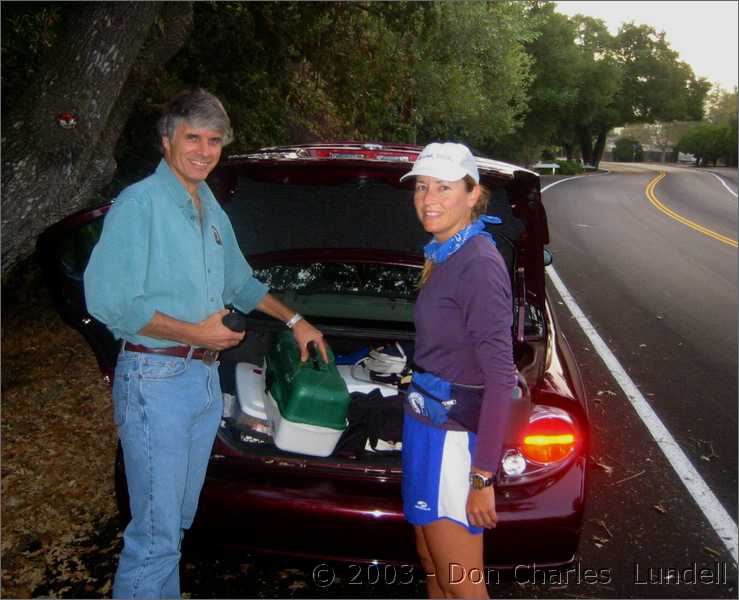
154, 255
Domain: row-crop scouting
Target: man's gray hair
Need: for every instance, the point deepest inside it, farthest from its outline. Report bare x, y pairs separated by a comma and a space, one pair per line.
200, 109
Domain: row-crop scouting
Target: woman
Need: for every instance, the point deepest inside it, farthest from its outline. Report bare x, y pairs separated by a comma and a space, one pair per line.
458, 402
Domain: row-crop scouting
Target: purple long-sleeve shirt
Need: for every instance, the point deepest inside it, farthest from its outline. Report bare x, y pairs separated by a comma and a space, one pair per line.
463, 318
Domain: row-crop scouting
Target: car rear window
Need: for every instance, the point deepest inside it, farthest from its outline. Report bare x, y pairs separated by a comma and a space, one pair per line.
361, 213
358, 213
357, 279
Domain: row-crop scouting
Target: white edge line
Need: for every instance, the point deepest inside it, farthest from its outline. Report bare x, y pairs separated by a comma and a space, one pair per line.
544, 189
728, 189
706, 500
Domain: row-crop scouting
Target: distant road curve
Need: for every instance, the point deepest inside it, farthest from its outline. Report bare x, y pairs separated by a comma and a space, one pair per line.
723, 174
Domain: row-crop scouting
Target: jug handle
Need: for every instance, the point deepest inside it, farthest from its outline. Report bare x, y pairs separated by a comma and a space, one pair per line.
313, 350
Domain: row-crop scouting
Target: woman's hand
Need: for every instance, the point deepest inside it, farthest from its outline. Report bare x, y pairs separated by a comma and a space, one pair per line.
481, 508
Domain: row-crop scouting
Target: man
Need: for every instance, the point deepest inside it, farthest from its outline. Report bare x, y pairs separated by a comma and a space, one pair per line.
166, 264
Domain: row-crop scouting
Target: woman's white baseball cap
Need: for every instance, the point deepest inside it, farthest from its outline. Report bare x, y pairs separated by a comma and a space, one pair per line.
447, 161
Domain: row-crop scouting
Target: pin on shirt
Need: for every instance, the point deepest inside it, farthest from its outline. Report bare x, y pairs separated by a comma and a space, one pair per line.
216, 235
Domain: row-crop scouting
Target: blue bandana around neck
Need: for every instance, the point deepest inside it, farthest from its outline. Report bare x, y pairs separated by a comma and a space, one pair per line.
438, 252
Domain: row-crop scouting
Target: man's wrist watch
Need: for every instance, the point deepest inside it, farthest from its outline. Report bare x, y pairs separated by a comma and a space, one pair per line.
478, 482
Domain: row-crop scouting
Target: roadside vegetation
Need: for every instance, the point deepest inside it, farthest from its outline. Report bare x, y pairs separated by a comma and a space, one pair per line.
715, 140
628, 149
709, 141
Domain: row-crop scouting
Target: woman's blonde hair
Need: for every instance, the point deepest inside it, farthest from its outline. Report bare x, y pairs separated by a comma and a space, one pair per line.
479, 209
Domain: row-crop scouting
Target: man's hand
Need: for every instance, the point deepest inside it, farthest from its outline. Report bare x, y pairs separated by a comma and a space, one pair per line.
481, 507
214, 335
303, 331
304, 334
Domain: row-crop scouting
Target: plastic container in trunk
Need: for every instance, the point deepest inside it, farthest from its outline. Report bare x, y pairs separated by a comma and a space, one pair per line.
250, 390
308, 401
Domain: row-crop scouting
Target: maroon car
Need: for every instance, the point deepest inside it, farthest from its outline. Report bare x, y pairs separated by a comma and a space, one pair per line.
334, 234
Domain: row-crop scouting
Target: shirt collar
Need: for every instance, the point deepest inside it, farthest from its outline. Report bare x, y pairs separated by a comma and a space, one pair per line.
177, 190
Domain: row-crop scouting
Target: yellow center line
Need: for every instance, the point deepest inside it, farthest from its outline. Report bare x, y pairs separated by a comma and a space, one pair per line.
649, 191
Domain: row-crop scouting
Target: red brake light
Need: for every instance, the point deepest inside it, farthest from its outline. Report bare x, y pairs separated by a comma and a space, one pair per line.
549, 439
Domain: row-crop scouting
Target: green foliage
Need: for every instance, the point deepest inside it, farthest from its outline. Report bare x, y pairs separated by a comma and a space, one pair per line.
631, 77
657, 85
722, 106
294, 72
628, 150
552, 92
468, 73
660, 135
569, 167
29, 30
599, 78
710, 142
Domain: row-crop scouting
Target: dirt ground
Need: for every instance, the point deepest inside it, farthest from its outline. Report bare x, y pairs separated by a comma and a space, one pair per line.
58, 447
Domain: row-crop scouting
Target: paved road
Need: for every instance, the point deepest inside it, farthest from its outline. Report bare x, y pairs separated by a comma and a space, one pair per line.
728, 173
663, 297
664, 294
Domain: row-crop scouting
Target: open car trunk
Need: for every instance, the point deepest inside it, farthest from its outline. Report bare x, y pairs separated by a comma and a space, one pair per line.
374, 417
373, 434
346, 254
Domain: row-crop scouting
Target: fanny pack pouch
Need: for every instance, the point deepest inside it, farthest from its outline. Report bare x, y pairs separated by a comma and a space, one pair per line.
439, 400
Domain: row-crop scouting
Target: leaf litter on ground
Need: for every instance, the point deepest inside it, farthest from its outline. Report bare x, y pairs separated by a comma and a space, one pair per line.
58, 448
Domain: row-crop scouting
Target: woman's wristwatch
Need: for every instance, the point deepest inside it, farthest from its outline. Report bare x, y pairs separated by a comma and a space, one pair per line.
478, 482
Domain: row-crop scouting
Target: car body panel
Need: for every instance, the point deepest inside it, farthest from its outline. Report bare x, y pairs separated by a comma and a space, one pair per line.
541, 531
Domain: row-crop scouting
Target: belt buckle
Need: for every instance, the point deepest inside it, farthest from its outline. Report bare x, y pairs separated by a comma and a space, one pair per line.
209, 357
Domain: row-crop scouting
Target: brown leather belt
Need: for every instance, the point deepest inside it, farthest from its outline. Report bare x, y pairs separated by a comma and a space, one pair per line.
207, 356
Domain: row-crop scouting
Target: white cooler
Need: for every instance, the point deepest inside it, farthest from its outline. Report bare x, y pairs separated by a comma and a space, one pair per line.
250, 390
302, 438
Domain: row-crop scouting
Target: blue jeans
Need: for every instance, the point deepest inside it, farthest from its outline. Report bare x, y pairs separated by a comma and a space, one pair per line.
167, 411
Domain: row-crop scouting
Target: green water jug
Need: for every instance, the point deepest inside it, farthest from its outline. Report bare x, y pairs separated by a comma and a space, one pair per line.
310, 392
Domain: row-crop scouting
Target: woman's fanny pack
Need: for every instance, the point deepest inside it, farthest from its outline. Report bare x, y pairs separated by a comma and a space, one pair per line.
440, 400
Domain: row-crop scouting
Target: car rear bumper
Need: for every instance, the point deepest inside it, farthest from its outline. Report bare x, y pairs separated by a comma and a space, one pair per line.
289, 511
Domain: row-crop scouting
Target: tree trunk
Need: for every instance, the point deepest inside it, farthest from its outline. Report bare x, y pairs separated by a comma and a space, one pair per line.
586, 144
569, 151
600, 145
58, 143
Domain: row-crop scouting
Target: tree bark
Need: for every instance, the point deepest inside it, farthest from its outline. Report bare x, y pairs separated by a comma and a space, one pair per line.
600, 145
95, 73
586, 144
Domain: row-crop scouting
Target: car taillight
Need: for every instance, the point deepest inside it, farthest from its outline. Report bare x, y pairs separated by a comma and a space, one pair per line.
550, 436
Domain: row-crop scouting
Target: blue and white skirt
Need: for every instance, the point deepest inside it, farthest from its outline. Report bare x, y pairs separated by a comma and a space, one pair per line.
436, 473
